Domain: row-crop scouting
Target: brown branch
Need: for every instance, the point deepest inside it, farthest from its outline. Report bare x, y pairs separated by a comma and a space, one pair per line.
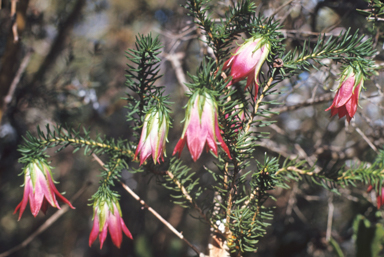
366, 139
259, 99
47, 223
10, 60
13, 16
16, 80
281, 7
318, 100
160, 218
188, 197
330, 217
293, 168
175, 60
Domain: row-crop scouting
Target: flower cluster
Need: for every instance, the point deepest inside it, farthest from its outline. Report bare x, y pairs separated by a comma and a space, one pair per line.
153, 136
201, 127
107, 216
39, 188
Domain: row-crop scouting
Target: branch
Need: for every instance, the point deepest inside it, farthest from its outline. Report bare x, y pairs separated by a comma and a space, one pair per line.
318, 100
16, 79
161, 219
259, 99
13, 17
189, 198
281, 7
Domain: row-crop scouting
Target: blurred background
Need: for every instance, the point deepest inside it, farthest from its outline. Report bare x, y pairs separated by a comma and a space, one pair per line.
68, 66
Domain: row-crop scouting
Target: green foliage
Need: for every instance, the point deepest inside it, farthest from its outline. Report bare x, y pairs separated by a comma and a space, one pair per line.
184, 185
141, 80
369, 237
345, 48
367, 173
376, 10
240, 19
119, 150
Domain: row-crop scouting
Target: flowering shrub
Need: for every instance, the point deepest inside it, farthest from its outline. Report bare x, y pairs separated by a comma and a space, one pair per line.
230, 101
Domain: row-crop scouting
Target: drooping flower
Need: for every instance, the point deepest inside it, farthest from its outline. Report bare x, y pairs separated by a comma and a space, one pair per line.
107, 216
379, 197
153, 136
347, 95
201, 127
247, 61
39, 188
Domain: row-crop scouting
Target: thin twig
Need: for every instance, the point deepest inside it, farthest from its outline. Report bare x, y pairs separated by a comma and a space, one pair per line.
260, 98
293, 168
187, 196
375, 18
161, 219
47, 223
174, 59
13, 17
366, 139
146, 206
330, 217
318, 100
16, 80
280, 8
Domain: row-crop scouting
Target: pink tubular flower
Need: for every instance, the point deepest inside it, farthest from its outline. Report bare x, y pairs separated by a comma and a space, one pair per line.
247, 61
201, 127
347, 96
39, 188
379, 197
153, 137
108, 216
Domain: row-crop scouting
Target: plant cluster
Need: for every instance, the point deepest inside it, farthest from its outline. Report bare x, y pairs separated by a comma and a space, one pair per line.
228, 99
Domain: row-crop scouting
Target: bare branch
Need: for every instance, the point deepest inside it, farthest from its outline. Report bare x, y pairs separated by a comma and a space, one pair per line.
13, 17
16, 80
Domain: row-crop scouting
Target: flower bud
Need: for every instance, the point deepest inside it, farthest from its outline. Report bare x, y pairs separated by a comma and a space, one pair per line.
153, 136
247, 61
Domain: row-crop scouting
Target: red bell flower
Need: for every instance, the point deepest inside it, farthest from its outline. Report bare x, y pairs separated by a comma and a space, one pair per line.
153, 136
107, 216
39, 188
247, 61
201, 127
347, 96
